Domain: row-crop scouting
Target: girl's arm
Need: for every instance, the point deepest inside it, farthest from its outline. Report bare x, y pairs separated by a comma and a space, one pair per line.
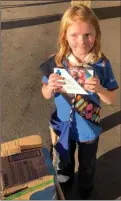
105, 95
52, 85
47, 92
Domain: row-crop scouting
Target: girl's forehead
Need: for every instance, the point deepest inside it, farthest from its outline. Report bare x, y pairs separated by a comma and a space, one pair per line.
81, 26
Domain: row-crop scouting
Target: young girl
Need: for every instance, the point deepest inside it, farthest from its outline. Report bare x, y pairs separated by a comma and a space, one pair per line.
79, 45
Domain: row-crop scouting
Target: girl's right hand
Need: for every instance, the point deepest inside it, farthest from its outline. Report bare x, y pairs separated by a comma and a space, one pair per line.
53, 82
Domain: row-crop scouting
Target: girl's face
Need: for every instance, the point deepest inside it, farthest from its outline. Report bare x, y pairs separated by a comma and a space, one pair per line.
81, 37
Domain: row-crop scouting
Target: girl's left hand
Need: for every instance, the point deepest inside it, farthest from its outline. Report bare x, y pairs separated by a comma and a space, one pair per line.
93, 85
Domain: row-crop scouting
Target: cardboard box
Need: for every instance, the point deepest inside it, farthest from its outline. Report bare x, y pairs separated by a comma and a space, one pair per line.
27, 171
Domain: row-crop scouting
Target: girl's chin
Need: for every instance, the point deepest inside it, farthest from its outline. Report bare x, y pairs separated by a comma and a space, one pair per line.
84, 53
81, 52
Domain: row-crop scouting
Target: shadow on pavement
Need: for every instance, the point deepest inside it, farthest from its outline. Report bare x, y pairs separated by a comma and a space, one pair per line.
102, 13
108, 12
33, 4
30, 21
107, 178
111, 121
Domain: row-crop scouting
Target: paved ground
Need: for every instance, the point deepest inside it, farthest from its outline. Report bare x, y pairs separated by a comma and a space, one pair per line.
29, 33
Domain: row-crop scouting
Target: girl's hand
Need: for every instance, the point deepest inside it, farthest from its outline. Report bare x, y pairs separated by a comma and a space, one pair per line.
93, 85
55, 82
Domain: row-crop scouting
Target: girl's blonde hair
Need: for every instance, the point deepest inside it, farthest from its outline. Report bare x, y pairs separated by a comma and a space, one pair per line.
82, 13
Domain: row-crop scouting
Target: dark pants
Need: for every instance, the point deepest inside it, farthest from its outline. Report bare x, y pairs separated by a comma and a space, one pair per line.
87, 162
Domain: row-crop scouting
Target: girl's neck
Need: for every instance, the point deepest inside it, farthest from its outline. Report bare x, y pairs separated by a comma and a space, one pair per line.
79, 58
74, 60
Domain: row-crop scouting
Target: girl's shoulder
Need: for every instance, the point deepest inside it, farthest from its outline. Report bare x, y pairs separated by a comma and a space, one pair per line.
103, 61
48, 66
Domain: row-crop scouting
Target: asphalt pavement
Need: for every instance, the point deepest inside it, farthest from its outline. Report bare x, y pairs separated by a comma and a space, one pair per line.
29, 35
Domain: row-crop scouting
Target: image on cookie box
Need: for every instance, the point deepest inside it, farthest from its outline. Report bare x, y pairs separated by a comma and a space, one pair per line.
80, 74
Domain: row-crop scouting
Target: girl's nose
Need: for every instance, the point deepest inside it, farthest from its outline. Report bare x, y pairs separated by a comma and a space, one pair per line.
81, 39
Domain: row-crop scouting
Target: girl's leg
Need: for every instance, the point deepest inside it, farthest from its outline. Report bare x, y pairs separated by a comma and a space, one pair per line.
87, 162
62, 166
65, 170
54, 139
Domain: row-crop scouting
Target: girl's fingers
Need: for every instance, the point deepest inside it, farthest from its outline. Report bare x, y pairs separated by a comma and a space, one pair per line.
54, 75
57, 85
56, 79
89, 87
56, 82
